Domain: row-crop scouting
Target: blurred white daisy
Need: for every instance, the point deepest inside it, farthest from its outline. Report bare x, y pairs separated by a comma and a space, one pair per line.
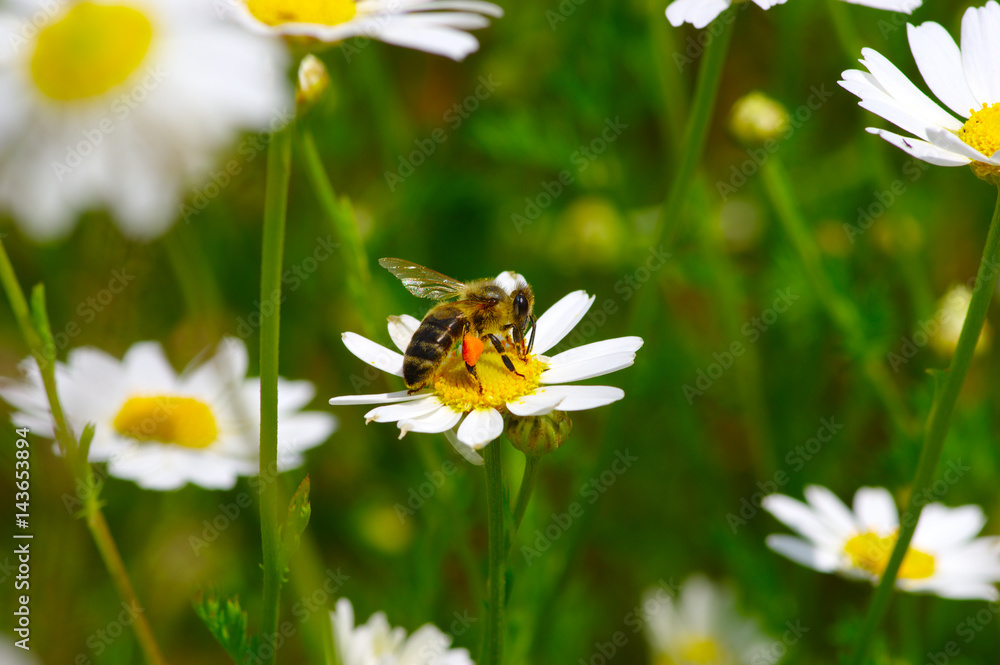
161, 429
123, 105
536, 390
702, 627
945, 558
700, 13
964, 79
377, 643
434, 26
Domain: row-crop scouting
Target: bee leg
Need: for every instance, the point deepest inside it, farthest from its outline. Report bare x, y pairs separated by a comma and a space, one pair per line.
472, 371
411, 391
498, 345
531, 342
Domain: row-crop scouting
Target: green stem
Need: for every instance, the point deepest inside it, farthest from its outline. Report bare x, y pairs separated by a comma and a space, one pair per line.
80, 468
279, 158
345, 225
696, 132
841, 311
936, 430
493, 647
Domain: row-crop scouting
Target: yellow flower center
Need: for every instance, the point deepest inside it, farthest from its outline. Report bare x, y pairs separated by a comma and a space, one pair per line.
323, 12
982, 132
458, 389
183, 421
89, 50
871, 552
697, 650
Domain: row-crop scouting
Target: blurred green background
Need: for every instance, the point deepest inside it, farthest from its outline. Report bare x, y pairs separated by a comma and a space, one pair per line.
551, 87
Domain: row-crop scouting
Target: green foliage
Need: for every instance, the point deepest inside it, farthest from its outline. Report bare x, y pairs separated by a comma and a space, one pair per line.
227, 622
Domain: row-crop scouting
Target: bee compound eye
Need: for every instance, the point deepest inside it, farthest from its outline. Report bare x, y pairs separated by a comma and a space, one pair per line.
521, 306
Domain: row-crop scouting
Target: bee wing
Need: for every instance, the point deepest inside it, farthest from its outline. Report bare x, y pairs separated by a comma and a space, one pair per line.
423, 282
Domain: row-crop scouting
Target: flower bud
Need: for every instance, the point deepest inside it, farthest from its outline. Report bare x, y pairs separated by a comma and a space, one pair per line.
949, 319
538, 435
313, 81
756, 119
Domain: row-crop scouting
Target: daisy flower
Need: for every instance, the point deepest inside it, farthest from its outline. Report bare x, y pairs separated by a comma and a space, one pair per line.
700, 13
945, 557
161, 429
452, 398
434, 26
123, 105
702, 626
377, 643
964, 79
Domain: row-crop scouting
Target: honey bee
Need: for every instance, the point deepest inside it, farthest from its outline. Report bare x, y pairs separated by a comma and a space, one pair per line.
484, 311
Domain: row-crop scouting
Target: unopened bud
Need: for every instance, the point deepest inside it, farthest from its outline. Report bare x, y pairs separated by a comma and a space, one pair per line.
756, 119
312, 83
950, 316
539, 435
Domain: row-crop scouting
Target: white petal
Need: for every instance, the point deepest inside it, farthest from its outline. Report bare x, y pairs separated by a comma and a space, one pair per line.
447, 42
559, 319
949, 141
403, 411
803, 553
509, 280
377, 398
698, 13
905, 6
922, 150
590, 360
940, 63
875, 510
401, 329
981, 50
831, 509
905, 93
468, 453
941, 527
800, 517
542, 401
435, 422
581, 398
374, 354
480, 427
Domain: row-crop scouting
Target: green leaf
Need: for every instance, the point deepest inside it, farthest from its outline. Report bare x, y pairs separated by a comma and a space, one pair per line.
227, 622
299, 511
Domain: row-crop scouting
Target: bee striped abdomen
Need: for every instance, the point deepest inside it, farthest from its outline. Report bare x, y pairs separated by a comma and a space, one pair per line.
430, 343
